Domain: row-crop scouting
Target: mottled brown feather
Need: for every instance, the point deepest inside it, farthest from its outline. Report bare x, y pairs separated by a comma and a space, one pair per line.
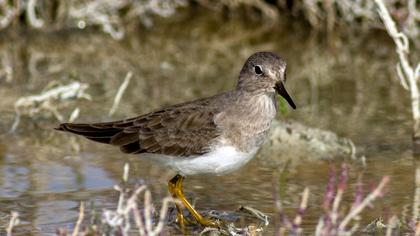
181, 130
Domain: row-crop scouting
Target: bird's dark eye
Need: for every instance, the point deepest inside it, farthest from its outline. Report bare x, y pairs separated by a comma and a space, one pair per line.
258, 70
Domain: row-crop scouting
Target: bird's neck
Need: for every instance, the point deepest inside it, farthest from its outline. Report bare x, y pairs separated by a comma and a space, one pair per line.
262, 105
254, 107
249, 119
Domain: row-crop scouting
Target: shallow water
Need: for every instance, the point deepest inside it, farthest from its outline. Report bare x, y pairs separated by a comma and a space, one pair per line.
346, 85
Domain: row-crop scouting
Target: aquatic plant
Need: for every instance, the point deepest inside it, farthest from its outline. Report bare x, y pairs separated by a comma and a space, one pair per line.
49, 101
107, 14
147, 221
333, 221
114, 16
359, 14
129, 209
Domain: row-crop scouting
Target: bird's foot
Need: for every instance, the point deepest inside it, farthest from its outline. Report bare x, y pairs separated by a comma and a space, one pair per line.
175, 188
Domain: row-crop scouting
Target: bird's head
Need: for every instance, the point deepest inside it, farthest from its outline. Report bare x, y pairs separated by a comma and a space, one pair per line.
264, 72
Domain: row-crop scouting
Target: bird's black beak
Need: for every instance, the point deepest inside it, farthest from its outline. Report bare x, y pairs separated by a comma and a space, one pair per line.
282, 91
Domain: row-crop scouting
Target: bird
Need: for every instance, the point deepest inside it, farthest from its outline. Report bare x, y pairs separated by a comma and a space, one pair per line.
213, 136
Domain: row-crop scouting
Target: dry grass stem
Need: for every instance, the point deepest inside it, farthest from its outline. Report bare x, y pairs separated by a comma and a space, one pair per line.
256, 213
14, 221
128, 206
33, 20
126, 172
80, 219
407, 75
74, 115
8, 14
120, 93
336, 205
302, 207
392, 223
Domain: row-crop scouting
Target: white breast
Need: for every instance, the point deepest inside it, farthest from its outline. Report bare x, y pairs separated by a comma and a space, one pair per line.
220, 161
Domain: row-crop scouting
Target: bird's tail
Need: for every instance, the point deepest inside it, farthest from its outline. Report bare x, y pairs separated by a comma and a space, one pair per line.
100, 132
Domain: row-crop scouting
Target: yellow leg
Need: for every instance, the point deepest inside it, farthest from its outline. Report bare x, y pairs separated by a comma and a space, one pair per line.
180, 216
175, 187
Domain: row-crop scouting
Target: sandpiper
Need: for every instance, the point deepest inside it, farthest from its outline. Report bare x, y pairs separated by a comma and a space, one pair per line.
214, 135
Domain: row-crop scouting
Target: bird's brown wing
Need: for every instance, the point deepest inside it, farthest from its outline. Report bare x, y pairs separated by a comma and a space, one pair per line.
183, 130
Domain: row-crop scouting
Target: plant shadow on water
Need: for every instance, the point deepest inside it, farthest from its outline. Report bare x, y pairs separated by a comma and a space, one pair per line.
340, 86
